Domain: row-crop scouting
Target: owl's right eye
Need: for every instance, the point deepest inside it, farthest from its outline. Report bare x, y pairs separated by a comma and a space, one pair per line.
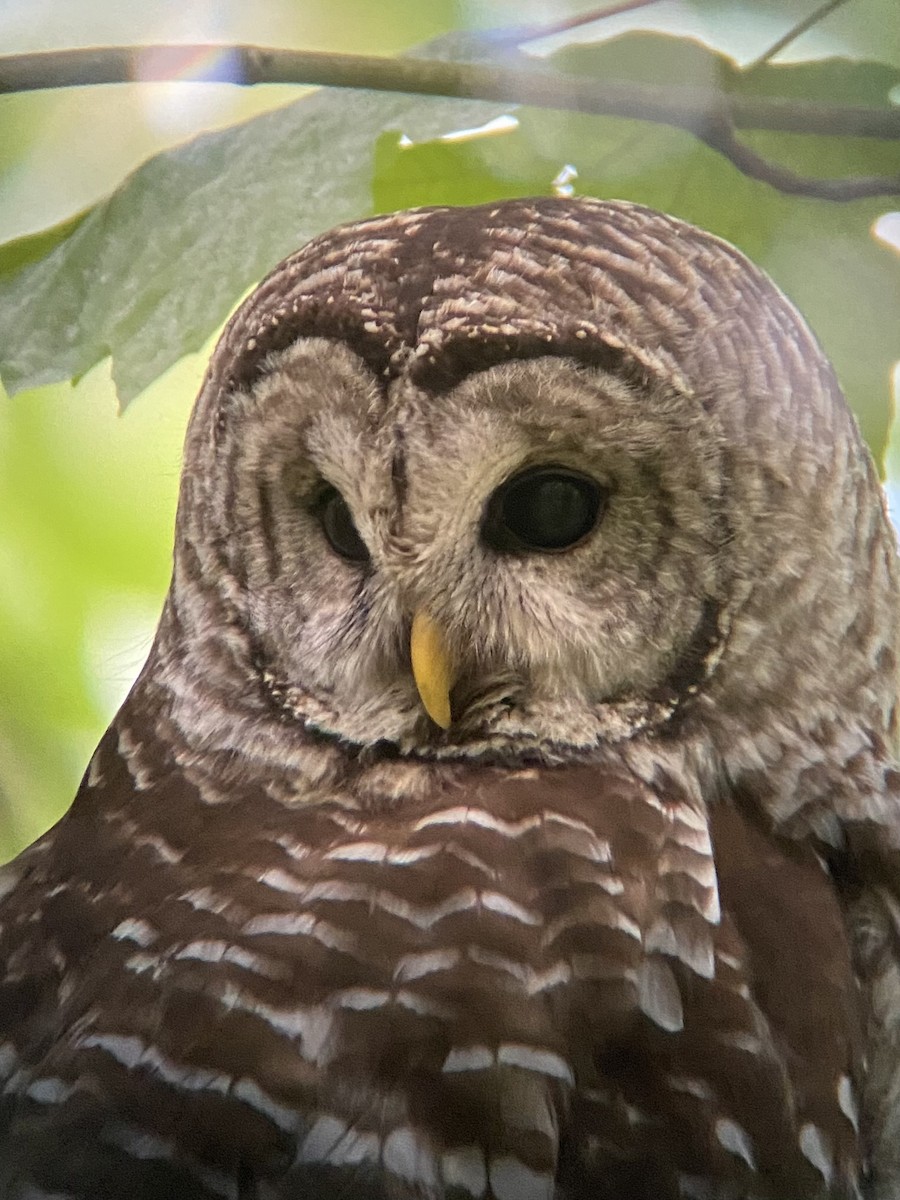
339, 528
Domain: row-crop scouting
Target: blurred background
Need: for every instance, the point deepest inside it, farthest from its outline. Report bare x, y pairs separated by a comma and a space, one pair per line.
87, 496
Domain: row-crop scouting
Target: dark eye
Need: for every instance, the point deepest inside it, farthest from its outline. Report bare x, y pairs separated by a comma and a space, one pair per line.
544, 508
338, 526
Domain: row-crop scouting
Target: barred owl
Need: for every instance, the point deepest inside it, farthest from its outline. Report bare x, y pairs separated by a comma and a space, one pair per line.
507, 808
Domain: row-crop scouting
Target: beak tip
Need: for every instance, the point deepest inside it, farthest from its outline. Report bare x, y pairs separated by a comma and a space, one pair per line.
441, 718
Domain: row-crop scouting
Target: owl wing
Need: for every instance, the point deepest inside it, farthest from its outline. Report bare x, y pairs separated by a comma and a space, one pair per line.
527, 984
867, 869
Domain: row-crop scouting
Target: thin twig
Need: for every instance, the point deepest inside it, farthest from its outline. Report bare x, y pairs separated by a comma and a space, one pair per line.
722, 137
515, 35
793, 33
709, 114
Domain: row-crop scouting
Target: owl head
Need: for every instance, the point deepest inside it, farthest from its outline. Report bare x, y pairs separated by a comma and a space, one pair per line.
525, 481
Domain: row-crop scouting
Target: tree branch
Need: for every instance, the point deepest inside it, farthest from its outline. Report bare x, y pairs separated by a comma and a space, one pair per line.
710, 115
721, 136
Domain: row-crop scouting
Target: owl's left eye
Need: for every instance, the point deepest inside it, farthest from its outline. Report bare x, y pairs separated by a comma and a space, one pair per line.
548, 509
339, 528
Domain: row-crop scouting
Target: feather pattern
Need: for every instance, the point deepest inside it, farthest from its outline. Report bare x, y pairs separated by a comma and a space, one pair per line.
500, 985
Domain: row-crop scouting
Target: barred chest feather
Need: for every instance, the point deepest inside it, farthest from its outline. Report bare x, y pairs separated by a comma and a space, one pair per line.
507, 991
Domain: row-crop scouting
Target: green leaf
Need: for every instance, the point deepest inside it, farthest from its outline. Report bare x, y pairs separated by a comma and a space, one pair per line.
146, 275
34, 246
658, 59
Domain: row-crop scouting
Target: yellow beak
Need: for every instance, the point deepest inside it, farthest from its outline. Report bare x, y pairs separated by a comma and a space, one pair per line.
431, 667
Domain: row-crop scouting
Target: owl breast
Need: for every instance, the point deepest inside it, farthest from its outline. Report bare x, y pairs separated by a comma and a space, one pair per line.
504, 991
